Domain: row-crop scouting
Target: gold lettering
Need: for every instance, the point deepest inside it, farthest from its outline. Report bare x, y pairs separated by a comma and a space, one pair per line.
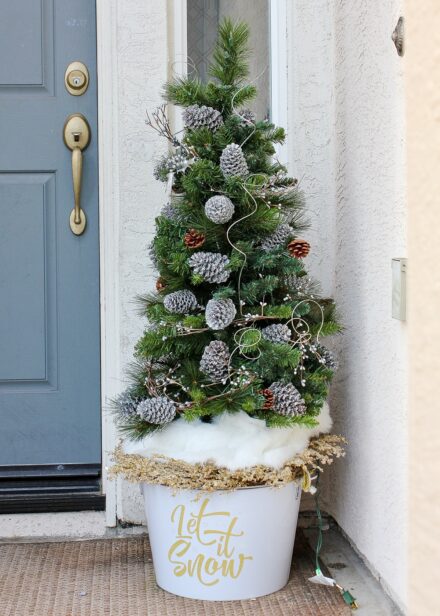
205, 566
179, 549
228, 566
181, 518
212, 566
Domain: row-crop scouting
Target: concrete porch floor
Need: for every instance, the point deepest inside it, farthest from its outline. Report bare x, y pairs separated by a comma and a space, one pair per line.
347, 568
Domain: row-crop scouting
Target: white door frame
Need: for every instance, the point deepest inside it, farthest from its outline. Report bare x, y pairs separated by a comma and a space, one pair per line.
279, 38
107, 71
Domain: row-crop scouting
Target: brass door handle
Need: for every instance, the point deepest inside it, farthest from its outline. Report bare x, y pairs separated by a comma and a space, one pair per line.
77, 137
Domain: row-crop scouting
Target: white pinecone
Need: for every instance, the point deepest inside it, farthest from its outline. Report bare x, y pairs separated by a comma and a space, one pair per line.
126, 404
215, 360
233, 162
180, 302
160, 170
276, 239
210, 265
327, 358
276, 333
158, 410
196, 116
220, 313
287, 399
175, 163
170, 211
219, 209
153, 257
247, 116
300, 285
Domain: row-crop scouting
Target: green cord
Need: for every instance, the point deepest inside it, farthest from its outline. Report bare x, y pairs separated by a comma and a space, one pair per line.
346, 595
319, 516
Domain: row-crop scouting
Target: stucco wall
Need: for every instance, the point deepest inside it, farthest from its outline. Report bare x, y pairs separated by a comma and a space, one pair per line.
142, 70
346, 113
369, 490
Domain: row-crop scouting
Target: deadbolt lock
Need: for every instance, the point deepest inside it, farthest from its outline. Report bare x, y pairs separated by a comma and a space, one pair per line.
76, 78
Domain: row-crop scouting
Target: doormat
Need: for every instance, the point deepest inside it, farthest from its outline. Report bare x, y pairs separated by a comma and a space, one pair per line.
115, 577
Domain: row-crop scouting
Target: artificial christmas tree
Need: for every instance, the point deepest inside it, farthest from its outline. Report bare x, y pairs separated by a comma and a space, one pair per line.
233, 348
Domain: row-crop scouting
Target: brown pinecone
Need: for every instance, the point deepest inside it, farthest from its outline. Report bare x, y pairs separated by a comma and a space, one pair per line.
298, 248
160, 284
269, 398
193, 239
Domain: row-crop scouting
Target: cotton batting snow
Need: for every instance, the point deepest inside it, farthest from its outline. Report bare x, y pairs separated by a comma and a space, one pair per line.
232, 440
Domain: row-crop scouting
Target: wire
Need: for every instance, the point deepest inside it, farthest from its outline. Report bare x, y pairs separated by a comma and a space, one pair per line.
319, 517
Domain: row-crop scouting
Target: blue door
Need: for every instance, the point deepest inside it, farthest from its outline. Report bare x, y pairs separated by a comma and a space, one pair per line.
49, 264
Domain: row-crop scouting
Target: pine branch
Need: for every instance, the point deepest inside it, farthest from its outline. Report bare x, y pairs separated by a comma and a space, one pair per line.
254, 291
230, 56
185, 91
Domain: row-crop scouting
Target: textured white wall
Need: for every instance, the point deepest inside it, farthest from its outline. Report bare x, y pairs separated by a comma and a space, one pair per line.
143, 65
346, 118
369, 490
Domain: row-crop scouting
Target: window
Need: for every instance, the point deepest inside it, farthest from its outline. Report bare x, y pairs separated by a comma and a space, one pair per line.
203, 17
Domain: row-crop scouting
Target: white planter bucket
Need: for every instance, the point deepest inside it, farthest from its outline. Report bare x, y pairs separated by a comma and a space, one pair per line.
222, 545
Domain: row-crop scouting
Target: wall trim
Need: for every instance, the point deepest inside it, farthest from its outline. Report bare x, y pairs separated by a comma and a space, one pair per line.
279, 31
178, 52
107, 71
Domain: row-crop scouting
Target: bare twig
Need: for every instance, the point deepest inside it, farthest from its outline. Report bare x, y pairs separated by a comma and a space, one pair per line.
158, 121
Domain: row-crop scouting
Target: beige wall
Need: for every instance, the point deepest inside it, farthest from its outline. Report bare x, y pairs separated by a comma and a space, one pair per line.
422, 61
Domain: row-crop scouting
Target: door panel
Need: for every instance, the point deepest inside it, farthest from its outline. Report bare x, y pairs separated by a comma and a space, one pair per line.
27, 47
22, 45
27, 221
49, 277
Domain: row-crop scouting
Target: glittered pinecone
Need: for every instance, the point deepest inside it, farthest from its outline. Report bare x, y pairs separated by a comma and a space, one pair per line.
158, 410
126, 404
210, 265
327, 358
160, 171
215, 360
160, 284
298, 248
196, 116
193, 239
247, 117
233, 162
173, 163
219, 209
153, 257
300, 285
276, 333
220, 313
268, 398
276, 239
180, 302
170, 211
288, 400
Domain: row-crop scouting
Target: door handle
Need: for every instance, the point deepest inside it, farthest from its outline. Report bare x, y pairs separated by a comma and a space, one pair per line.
76, 136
